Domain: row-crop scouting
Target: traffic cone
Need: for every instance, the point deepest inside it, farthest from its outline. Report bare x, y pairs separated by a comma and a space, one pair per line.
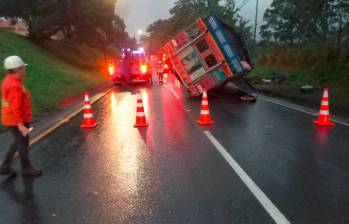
88, 121
324, 114
140, 117
205, 118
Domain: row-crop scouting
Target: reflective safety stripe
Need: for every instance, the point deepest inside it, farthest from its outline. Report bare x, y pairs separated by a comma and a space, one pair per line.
140, 114
205, 112
324, 103
87, 98
204, 103
88, 115
4, 103
139, 104
87, 106
324, 112
325, 94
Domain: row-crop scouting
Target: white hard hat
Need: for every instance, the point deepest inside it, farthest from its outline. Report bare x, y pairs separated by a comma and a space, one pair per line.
13, 62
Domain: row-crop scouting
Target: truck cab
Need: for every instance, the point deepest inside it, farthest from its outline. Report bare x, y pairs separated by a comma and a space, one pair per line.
135, 68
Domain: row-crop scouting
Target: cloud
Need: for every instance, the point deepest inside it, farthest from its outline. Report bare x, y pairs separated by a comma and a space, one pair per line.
138, 14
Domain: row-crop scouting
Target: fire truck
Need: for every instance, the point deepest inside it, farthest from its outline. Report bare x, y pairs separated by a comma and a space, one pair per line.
133, 68
209, 54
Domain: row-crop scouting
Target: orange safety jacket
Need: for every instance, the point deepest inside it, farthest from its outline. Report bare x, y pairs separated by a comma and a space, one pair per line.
16, 106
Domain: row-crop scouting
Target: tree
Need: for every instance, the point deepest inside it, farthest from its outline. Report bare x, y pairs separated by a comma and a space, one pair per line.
289, 21
339, 20
158, 33
185, 12
89, 21
282, 20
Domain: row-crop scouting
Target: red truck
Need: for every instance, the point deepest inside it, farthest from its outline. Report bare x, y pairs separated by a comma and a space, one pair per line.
133, 68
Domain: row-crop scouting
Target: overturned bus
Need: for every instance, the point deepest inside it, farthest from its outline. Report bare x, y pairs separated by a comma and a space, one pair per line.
208, 54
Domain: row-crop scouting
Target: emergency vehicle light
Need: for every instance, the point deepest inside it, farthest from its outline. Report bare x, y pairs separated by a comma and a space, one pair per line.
144, 69
111, 69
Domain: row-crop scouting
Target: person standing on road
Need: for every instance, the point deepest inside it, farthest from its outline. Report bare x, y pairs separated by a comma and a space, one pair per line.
16, 113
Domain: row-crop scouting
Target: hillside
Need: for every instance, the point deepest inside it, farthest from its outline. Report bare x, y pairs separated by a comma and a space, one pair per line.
52, 77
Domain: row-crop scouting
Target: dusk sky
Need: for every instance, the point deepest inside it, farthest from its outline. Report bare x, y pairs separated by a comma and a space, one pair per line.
138, 14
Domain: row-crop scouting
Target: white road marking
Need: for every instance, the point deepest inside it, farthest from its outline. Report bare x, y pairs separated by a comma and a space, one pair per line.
171, 90
340, 122
299, 109
287, 106
174, 93
268, 205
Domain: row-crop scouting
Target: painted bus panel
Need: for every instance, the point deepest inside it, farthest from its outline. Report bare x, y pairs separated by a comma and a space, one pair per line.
208, 54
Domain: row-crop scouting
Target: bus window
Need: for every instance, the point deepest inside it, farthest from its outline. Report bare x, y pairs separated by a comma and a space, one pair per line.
202, 46
191, 63
211, 60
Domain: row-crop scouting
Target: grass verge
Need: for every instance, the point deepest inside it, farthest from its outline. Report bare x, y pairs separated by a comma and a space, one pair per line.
332, 76
50, 79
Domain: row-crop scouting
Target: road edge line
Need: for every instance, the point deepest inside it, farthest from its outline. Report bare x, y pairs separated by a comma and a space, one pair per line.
67, 118
267, 204
294, 107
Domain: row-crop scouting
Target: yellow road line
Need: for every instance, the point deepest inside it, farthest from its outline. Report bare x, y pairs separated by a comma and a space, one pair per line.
66, 119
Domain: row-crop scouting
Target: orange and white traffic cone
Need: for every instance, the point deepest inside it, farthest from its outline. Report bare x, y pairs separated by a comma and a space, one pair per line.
140, 117
324, 114
88, 121
205, 118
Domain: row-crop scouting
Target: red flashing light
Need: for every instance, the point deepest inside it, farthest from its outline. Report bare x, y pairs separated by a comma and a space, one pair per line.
144, 69
111, 69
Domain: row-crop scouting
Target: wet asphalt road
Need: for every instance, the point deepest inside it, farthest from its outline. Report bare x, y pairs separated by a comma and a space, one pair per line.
171, 173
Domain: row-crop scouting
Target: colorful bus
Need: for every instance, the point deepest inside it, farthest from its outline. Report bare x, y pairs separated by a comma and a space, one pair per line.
208, 54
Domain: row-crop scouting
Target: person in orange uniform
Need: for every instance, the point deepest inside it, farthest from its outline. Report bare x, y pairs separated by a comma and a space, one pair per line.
16, 114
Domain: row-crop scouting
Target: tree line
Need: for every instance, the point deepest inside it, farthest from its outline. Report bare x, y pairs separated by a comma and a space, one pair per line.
93, 22
285, 22
299, 22
185, 12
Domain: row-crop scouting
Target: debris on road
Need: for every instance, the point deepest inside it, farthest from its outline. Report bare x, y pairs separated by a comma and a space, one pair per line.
307, 89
